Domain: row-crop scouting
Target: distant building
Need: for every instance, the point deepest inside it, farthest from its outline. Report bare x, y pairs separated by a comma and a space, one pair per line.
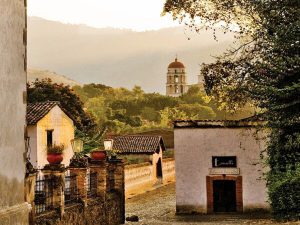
149, 148
48, 124
177, 80
218, 166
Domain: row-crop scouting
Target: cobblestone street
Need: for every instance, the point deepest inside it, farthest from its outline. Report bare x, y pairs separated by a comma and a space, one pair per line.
157, 207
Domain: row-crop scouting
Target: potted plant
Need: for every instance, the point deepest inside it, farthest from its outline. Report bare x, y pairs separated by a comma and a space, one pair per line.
55, 154
112, 154
98, 154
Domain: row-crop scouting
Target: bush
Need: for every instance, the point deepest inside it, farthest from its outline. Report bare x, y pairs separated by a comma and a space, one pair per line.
56, 149
284, 195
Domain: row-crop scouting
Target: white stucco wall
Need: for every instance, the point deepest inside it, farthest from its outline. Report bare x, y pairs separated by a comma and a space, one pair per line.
13, 209
32, 134
194, 148
63, 133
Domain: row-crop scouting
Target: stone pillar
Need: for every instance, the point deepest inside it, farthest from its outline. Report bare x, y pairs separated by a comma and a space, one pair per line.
120, 185
56, 173
30, 194
101, 168
81, 176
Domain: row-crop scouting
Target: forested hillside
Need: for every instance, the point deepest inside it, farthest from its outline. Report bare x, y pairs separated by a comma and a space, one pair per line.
124, 111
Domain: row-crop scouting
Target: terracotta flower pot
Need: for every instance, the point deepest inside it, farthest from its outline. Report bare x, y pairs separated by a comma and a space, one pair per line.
98, 155
54, 158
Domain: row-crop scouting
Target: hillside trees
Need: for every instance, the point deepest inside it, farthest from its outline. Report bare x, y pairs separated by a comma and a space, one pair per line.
263, 70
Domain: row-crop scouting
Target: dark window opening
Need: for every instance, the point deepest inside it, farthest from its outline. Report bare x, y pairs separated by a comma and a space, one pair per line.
49, 138
224, 161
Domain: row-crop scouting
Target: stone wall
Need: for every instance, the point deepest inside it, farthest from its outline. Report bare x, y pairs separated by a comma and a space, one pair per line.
13, 209
168, 170
140, 176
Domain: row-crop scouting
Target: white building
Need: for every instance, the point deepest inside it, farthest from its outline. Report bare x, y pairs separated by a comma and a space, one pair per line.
218, 166
48, 124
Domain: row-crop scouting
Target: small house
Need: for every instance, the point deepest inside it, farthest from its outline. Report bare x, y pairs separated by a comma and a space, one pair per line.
48, 124
218, 166
142, 147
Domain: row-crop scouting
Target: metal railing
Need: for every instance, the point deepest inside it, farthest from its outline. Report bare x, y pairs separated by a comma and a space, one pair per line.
111, 180
92, 184
71, 189
43, 194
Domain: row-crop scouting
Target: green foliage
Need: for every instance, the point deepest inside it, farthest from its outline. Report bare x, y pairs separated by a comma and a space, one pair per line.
197, 111
91, 142
150, 114
262, 69
170, 114
56, 149
124, 111
44, 90
284, 190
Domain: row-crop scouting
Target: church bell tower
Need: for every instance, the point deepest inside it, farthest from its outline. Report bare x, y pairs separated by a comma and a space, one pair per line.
176, 79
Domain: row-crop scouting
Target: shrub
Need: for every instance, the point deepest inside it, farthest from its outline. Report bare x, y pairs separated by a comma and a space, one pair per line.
284, 194
56, 149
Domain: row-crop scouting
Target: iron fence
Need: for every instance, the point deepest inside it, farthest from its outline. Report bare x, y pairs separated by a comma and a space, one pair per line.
92, 183
111, 180
43, 194
71, 189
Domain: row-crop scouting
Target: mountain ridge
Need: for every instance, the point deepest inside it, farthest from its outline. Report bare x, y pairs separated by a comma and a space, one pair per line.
119, 57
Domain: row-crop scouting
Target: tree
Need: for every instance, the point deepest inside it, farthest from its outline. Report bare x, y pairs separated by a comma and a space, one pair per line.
170, 114
197, 111
263, 69
45, 90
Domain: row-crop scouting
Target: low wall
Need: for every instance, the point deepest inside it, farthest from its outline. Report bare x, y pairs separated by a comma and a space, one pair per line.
139, 177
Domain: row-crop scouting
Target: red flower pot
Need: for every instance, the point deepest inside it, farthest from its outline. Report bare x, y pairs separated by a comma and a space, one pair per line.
98, 155
54, 158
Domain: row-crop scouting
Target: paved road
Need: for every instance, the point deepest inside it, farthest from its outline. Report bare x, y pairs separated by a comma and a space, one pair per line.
157, 207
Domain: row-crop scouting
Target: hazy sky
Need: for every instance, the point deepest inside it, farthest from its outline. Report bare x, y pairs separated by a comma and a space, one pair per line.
133, 14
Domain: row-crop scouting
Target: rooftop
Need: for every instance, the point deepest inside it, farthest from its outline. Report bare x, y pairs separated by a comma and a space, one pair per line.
246, 122
138, 144
36, 111
176, 64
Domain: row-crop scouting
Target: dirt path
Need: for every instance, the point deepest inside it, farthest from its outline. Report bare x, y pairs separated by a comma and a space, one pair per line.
157, 207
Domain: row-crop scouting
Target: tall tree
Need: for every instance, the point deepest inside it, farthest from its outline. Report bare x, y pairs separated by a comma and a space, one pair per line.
263, 69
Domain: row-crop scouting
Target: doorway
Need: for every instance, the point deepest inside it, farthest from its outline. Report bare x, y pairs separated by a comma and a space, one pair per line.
224, 196
159, 169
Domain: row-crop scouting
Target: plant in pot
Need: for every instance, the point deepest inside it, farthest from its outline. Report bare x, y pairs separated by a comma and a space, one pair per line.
55, 153
112, 154
98, 154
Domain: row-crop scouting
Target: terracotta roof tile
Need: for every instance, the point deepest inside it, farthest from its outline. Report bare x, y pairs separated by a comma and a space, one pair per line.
138, 144
36, 111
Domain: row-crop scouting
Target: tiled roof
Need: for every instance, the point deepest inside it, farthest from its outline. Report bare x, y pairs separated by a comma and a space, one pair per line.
138, 144
246, 122
36, 111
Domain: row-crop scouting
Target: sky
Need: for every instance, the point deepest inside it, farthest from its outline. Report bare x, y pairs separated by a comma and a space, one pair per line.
138, 15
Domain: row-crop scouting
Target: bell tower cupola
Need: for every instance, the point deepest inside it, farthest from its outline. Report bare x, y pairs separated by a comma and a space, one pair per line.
176, 79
